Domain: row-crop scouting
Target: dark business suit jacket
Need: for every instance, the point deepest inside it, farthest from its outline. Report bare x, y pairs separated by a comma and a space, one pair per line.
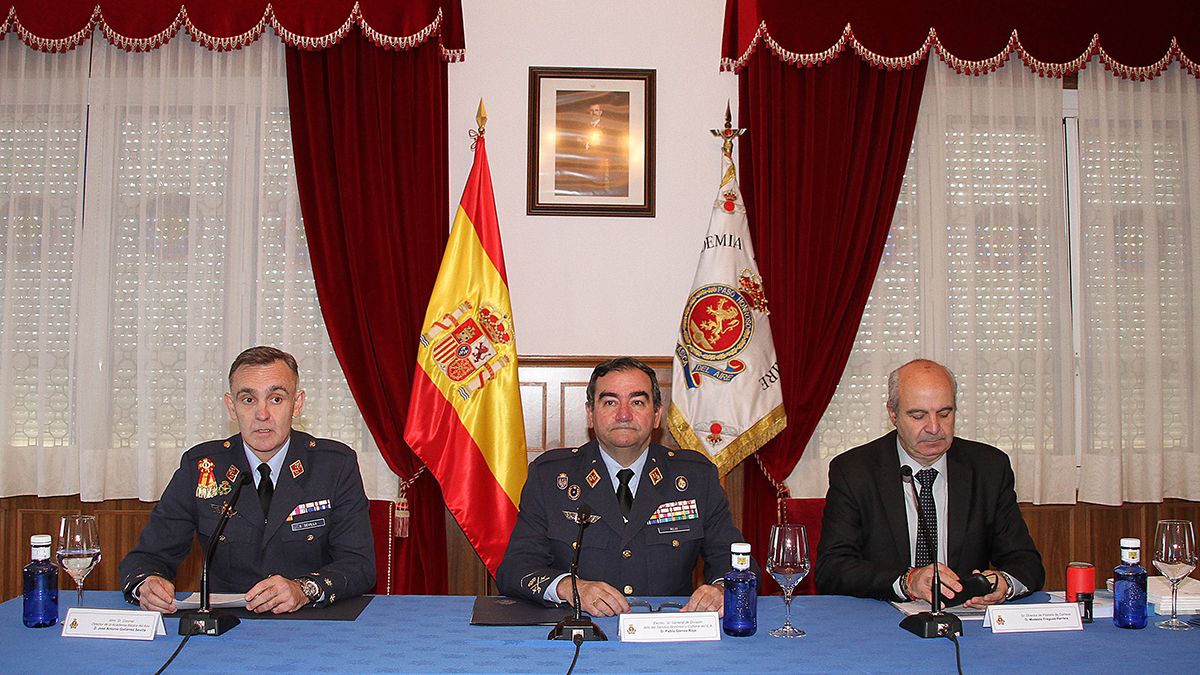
331, 542
864, 534
636, 558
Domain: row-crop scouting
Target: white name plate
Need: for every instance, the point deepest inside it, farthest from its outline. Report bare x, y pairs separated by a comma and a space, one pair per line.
670, 627
117, 624
1031, 618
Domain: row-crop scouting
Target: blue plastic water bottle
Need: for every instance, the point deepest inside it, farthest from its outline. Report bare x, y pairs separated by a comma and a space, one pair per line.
41, 585
741, 595
1129, 586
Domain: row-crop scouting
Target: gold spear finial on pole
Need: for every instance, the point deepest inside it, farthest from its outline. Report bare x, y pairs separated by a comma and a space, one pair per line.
727, 135
481, 116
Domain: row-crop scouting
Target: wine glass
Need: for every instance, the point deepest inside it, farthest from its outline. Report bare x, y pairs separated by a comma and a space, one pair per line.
1175, 558
78, 549
787, 563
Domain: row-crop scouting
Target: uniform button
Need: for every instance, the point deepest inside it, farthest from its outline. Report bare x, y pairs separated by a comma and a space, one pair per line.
574, 544
310, 537
628, 589
675, 543
627, 553
221, 538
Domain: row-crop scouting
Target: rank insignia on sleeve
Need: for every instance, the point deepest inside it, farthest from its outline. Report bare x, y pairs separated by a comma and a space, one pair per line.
592, 478
562, 481
574, 492
297, 468
655, 476
534, 582
232, 473
206, 485
680, 483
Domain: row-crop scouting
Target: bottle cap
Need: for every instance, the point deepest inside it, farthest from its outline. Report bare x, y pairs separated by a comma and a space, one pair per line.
1131, 542
740, 547
40, 540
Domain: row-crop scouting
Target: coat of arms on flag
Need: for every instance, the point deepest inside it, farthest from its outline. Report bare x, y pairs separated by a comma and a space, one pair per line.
730, 403
470, 345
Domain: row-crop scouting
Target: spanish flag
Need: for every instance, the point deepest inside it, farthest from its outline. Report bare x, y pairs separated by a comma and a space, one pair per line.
464, 416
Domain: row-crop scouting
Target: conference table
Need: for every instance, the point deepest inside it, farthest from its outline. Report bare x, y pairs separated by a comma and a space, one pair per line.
431, 634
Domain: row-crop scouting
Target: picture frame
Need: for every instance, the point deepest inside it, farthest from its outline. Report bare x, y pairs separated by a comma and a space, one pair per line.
591, 142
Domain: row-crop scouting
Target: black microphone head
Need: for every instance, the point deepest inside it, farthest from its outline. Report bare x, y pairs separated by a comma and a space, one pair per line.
906, 473
584, 512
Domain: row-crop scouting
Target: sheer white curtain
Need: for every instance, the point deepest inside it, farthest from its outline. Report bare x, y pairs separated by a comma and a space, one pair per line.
974, 275
191, 248
43, 117
1140, 160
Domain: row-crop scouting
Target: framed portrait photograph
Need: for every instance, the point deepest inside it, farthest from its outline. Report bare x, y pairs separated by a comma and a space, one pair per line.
591, 142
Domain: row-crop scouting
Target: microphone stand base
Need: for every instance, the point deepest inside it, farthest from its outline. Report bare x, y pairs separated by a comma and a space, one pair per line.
930, 625
204, 622
571, 629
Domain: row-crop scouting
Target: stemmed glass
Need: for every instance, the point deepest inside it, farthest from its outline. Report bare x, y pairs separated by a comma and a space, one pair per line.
787, 563
1175, 558
78, 549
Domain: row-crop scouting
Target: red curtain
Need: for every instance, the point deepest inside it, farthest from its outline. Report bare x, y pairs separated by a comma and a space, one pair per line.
821, 167
370, 141
1054, 31
141, 25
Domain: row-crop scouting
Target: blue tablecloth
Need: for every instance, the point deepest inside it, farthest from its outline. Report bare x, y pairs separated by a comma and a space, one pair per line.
420, 634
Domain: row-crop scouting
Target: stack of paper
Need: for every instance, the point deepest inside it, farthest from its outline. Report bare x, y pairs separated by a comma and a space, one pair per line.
1158, 593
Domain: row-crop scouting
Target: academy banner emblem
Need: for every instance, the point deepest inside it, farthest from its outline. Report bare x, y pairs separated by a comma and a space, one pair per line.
727, 401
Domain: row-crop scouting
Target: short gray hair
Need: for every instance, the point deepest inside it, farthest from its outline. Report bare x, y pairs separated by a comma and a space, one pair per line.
893, 399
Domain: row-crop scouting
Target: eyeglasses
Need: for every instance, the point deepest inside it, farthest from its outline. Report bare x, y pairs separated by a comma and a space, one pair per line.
645, 604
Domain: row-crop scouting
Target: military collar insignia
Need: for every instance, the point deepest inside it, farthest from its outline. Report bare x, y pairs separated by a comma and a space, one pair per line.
232, 473
297, 468
592, 478
655, 476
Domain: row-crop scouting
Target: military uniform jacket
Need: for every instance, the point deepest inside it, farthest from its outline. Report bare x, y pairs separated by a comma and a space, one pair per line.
679, 512
318, 525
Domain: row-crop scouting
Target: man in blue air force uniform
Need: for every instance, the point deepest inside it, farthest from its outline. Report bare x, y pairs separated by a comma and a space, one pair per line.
655, 510
303, 539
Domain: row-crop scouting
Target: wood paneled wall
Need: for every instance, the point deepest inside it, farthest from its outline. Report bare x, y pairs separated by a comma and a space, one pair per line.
552, 394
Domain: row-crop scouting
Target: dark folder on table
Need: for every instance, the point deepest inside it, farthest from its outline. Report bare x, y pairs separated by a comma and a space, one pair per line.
499, 610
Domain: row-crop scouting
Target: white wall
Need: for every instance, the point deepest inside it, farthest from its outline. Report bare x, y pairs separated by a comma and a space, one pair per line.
596, 286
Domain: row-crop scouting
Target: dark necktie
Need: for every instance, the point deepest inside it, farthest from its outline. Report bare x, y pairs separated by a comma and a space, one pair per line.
624, 494
266, 489
926, 540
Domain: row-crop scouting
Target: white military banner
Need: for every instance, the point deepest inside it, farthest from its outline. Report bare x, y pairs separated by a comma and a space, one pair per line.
726, 399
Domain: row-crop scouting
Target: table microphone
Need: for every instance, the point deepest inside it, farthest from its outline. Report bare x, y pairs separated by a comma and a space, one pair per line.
935, 623
577, 628
204, 621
